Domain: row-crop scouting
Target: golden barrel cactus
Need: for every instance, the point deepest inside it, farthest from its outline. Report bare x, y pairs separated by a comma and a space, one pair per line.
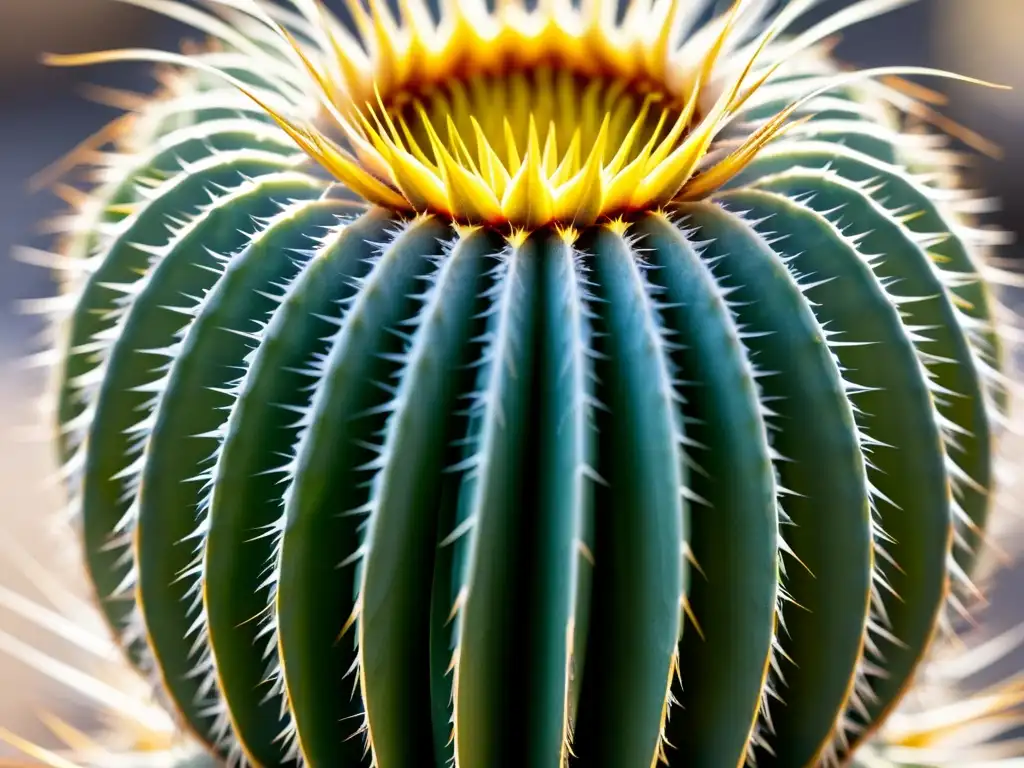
530, 385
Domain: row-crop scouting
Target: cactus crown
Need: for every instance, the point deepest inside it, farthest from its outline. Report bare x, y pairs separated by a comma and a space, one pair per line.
527, 117
627, 389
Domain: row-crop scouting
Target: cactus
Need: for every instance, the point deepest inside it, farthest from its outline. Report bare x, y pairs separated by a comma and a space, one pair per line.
531, 387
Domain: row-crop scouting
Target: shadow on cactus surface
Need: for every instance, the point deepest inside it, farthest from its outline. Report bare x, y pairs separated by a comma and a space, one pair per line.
530, 386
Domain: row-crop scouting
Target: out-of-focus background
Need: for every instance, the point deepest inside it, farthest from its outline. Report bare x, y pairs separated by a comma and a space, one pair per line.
43, 115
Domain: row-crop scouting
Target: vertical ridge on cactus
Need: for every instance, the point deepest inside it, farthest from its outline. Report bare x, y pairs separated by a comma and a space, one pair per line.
531, 386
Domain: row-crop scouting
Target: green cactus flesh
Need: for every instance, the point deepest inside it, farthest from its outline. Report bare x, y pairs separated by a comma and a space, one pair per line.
681, 485
366, 487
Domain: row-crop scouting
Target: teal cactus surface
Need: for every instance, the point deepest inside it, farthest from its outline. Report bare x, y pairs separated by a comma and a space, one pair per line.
364, 482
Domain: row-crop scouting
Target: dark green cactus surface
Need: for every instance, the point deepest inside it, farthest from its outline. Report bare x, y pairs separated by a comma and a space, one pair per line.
369, 489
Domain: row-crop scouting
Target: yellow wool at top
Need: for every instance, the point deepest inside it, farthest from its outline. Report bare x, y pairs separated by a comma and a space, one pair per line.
531, 117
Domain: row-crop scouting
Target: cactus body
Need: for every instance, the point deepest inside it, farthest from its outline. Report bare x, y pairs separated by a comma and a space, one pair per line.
385, 484
502, 461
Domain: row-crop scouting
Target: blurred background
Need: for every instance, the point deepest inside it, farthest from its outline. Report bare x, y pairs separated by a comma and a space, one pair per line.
43, 115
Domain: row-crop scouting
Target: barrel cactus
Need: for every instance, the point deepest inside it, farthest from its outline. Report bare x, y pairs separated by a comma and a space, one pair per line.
547, 385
